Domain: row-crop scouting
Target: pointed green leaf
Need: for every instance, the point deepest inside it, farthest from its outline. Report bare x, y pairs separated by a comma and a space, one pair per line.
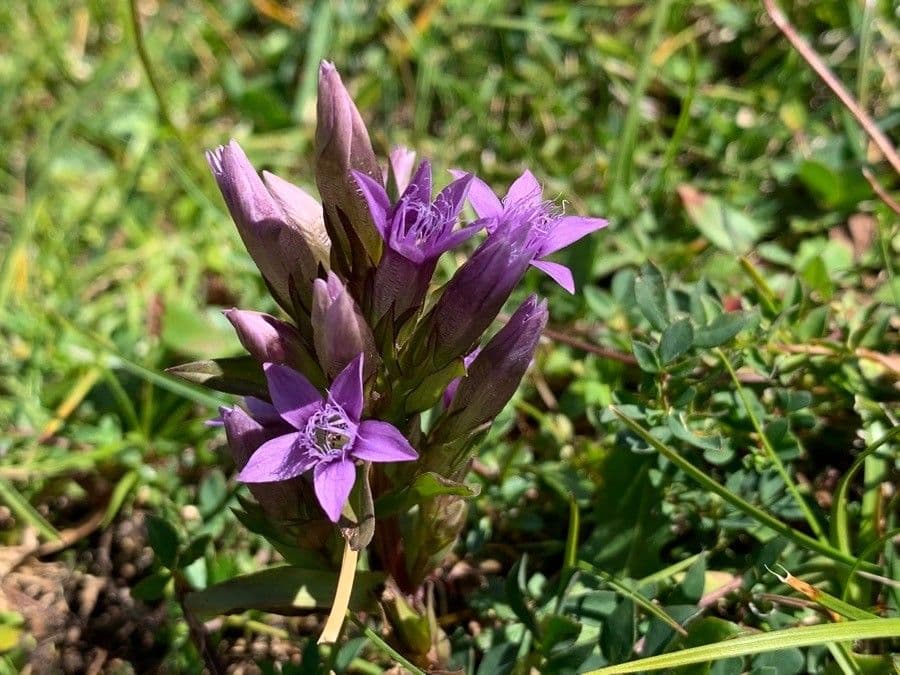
676, 340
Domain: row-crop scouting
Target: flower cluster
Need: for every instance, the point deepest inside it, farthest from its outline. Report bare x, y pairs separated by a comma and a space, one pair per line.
331, 422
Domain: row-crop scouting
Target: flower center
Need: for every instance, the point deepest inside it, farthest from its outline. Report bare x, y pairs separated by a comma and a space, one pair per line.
529, 224
329, 431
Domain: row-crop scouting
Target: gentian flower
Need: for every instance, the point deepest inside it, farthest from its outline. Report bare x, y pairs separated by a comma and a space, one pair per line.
417, 231
280, 499
525, 217
267, 338
402, 162
281, 226
324, 435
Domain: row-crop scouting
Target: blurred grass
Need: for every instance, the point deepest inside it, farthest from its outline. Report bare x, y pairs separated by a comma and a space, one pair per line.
118, 254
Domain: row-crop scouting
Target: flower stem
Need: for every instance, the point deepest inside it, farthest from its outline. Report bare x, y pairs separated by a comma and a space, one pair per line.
377, 640
341, 603
770, 451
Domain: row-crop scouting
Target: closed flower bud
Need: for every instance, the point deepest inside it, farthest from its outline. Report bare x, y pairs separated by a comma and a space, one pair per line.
268, 339
340, 333
470, 303
274, 239
494, 375
342, 145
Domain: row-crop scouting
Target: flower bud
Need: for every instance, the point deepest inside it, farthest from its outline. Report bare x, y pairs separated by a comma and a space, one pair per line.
342, 145
402, 160
494, 375
305, 213
340, 333
268, 339
469, 304
275, 240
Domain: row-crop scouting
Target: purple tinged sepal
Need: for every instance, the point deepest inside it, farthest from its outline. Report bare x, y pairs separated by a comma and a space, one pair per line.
342, 146
275, 238
340, 333
494, 374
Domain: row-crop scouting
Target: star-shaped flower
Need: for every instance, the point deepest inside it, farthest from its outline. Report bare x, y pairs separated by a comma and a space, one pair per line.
532, 223
324, 434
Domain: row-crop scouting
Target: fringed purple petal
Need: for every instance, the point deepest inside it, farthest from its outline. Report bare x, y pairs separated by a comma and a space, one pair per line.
278, 459
377, 200
333, 482
378, 441
559, 273
481, 197
569, 229
525, 190
450, 200
454, 239
419, 188
292, 394
347, 389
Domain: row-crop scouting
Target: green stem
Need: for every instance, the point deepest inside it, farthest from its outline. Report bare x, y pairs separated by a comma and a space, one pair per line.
621, 170
165, 114
740, 504
770, 451
379, 642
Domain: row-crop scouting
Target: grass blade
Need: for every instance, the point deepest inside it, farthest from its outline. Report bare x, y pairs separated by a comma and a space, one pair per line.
804, 636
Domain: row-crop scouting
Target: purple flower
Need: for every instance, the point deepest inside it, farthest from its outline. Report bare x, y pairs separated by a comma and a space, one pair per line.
494, 374
267, 338
524, 217
402, 161
417, 231
279, 223
323, 434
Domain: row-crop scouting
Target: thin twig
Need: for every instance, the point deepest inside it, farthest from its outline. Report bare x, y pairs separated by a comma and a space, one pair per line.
823, 71
577, 343
879, 190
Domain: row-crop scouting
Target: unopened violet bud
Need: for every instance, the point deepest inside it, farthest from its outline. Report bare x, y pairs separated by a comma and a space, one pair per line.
450, 391
305, 213
342, 145
279, 499
269, 339
494, 375
273, 238
469, 303
340, 333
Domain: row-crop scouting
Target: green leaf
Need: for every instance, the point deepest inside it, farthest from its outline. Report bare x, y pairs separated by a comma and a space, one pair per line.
163, 539
725, 227
151, 588
240, 375
499, 660
425, 486
646, 356
516, 594
721, 329
281, 590
212, 492
676, 340
556, 629
802, 636
194, 550
650, 294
